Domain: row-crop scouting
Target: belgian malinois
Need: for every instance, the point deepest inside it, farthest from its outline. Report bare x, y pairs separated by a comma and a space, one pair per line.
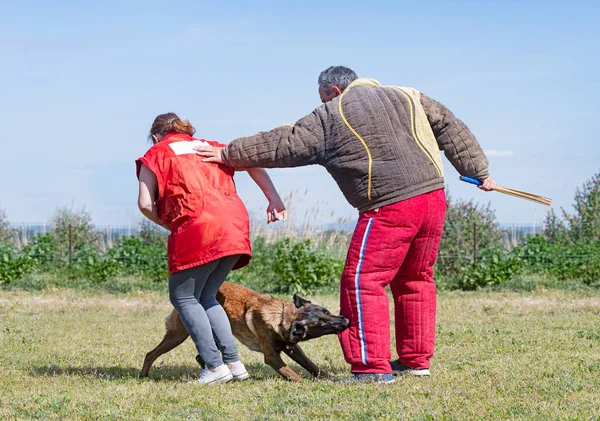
263, 323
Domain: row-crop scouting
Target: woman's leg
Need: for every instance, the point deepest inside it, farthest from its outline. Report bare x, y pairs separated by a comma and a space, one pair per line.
216, 314
185, 288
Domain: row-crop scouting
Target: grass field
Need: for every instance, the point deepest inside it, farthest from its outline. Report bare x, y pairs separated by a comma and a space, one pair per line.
500, 355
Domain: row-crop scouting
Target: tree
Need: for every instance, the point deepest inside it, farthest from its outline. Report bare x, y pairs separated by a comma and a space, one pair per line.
468, 225
584, 223
152, 234
6, 232
75, 228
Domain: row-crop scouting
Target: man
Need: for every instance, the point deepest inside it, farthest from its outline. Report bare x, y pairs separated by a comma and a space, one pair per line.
381, 145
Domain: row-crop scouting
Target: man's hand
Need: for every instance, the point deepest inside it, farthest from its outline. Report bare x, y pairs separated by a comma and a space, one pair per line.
276, 210
210, 153
488, 184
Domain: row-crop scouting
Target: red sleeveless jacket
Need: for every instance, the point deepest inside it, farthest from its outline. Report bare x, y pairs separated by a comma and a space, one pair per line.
208, 219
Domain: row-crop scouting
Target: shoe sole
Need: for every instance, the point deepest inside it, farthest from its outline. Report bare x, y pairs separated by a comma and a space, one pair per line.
240, 377
416, 373
223, 379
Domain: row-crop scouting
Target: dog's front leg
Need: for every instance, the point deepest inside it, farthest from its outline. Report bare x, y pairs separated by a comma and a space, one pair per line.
273, 359
296, 354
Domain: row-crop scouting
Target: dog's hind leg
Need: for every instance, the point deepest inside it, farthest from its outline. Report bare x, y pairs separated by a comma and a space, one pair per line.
176, 334
296, 354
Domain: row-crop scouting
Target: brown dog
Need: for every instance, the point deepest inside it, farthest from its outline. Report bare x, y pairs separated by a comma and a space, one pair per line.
263, 323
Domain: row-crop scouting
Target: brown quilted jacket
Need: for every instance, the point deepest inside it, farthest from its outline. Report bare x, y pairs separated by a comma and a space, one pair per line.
380, 144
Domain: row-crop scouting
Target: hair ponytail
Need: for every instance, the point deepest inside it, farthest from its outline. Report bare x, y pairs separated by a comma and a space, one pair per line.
170, 123
182, 126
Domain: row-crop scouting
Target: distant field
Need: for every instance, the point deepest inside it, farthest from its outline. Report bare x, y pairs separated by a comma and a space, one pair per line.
500, 355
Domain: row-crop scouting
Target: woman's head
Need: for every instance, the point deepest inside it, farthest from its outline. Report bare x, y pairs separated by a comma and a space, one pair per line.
169, 123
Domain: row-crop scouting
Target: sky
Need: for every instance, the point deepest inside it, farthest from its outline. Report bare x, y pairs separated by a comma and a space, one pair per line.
81, 82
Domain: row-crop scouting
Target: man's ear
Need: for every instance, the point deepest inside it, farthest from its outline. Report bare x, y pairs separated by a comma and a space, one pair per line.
299, 301
337, 90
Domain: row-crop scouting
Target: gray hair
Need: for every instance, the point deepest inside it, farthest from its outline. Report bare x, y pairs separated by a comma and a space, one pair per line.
339, 76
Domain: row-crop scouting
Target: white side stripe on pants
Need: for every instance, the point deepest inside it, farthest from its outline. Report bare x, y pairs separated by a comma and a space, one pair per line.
361, 330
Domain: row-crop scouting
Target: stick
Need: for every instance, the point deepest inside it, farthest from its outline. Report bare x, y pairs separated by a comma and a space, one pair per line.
517, 193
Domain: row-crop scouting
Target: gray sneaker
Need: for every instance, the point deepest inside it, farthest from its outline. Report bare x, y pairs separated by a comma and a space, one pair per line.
399, 369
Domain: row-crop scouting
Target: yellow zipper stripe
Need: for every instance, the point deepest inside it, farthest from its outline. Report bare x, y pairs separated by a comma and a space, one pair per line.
414, 133
361, 140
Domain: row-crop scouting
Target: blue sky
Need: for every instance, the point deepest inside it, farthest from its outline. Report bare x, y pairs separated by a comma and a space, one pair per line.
82, 81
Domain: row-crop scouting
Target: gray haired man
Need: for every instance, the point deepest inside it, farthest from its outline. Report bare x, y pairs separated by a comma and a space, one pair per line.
381, 144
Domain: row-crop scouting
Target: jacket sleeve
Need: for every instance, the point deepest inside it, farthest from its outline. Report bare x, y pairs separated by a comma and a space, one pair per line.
285, 146
456, 140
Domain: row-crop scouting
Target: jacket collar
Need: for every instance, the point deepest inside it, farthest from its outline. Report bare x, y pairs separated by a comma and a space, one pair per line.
363, 81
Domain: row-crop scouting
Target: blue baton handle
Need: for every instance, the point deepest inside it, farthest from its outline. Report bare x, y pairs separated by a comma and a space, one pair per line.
470, 180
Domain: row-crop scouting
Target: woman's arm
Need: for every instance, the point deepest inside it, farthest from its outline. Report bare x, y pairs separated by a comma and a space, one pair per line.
147, 196
276, 209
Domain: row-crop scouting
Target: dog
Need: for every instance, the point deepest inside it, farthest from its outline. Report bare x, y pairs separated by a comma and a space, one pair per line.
262, 323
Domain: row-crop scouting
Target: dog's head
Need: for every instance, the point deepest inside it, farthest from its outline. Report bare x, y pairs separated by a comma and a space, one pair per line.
314, 321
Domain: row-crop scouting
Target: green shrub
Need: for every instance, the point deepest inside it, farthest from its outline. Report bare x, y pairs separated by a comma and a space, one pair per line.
566, 261
13, 265
300, 268
288, 266
495, 266
44, 250
467, 225
131, 256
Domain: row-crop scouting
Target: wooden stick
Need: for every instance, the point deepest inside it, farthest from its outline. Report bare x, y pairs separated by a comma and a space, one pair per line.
517, 193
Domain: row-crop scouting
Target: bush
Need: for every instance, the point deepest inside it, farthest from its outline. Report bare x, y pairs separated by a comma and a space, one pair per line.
131, 256
299, 268
469, 226
575, 261
13, 265
288, 267
495, 266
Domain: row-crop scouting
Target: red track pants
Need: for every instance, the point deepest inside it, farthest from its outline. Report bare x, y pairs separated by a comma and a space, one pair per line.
396, 245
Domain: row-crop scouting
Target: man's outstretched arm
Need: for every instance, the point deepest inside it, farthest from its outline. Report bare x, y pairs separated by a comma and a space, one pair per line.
285, 146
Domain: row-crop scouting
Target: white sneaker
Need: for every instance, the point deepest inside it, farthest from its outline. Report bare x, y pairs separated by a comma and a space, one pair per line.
220, 374
238, 371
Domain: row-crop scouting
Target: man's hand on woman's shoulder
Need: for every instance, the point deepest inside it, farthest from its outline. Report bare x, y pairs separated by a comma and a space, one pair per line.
210, 153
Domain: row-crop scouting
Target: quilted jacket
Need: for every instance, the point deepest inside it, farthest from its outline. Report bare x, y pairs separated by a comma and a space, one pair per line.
381, 144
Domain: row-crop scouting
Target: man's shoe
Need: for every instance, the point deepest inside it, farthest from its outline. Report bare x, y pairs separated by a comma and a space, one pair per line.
399, 369
220, 374
369, 378
238, 371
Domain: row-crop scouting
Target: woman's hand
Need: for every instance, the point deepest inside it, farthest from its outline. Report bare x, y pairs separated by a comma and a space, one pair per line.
210, 153
276, 210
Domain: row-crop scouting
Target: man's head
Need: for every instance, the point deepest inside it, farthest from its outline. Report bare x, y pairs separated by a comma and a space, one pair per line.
333, 81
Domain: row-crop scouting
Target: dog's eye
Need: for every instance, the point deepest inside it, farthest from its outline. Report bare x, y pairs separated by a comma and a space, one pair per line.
327, 313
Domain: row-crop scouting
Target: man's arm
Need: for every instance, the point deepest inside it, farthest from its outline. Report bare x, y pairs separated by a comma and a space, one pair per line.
456, 140
285, 146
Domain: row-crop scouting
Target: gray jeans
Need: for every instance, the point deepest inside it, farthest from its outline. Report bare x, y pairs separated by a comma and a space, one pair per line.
193, 294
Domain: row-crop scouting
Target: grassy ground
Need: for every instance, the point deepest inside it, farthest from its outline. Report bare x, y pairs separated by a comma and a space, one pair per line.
500, 355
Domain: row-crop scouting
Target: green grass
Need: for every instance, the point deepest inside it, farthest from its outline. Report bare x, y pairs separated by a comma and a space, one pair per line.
67, 354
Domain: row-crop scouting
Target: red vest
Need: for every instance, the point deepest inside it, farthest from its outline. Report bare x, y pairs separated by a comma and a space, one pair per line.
198, 199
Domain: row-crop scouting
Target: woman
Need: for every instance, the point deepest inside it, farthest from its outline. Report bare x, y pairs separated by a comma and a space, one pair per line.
210, 235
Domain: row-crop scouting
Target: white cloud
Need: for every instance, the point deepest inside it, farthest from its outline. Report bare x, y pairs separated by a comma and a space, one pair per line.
498, 154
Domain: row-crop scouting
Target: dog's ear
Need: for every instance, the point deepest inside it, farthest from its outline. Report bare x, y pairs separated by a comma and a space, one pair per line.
299, 301
298, 331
